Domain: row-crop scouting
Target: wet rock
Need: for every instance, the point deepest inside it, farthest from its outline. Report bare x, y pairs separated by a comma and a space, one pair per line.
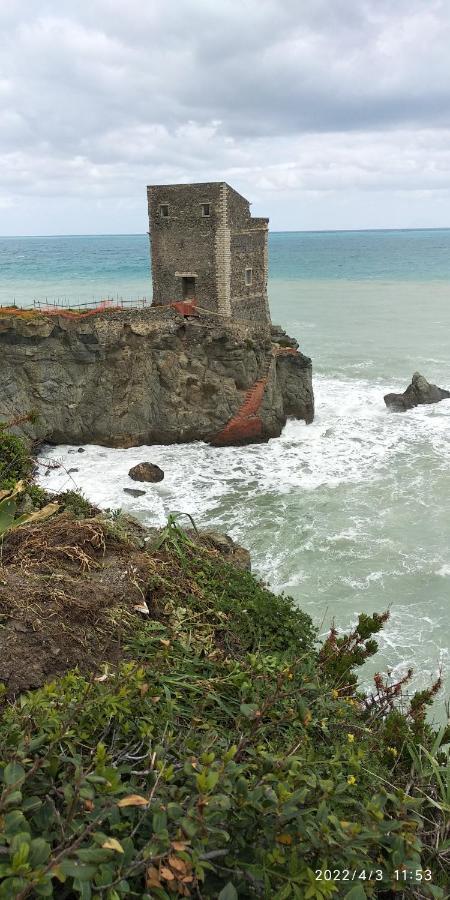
134, 492
418, 393
81, 450
70, 471
146, 471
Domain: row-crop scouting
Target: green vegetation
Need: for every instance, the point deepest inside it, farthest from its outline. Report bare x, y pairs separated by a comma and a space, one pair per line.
225, 756
15, 463
38, 496
76, 503
9, 520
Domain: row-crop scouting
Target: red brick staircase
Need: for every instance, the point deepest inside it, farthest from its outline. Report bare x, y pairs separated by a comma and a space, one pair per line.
246, 425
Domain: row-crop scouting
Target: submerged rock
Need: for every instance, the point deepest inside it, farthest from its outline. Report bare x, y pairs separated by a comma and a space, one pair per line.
134, 492
146, 471
419, 392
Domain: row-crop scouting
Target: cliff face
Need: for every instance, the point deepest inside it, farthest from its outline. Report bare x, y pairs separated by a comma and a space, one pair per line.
141, 377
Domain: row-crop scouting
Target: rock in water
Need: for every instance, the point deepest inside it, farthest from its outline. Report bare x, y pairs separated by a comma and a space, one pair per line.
146, 471
134, 492
419, 392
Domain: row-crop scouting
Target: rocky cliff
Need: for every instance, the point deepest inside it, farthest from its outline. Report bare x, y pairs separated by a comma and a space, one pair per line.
124, 378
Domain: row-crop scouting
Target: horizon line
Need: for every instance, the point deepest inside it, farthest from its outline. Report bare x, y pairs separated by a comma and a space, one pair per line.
282, 231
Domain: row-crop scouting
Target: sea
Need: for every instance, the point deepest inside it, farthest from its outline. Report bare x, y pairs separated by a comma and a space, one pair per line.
348, 514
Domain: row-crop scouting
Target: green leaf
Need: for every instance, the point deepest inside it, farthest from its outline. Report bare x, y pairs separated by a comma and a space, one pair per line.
83, 887
356, 893
13, 799
248, 710
38, 742
93, 855
7, 513
31, 804
77, 870
11, 887
159, 822
13, 774
229, 892
15, 822
174, 811
44, 889
39, 852
189, 827
96, 779
20, 856
283, 893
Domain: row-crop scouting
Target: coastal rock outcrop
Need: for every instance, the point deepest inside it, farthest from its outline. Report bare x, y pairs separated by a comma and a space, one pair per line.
419, 392
146, 471
125, 378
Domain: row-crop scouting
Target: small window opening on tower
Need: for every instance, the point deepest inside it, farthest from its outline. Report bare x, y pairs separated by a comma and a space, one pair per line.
248, 277
206, 210
164, 210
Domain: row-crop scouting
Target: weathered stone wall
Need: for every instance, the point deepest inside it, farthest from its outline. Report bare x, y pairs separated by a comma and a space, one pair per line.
216, 249
141, 377
248, 250
185, 241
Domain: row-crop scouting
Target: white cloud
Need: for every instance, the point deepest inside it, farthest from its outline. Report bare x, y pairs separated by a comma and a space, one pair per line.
307, 110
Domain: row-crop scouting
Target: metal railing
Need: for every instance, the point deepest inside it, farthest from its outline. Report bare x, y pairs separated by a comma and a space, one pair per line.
68, 303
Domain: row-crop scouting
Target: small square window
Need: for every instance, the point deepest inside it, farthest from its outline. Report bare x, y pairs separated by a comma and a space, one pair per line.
164, 210
206, 210
248, 277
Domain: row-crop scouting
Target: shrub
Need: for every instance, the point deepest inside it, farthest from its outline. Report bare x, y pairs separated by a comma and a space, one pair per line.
77, 504
15, 462
225, 758
38, 496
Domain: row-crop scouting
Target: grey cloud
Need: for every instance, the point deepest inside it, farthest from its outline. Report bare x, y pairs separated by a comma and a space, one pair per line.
99, 97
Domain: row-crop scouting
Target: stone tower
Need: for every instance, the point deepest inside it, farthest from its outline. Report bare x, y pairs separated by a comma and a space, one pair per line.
206, 248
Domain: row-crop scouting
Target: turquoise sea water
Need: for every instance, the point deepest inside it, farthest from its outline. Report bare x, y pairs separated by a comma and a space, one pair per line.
350, 513
86, 266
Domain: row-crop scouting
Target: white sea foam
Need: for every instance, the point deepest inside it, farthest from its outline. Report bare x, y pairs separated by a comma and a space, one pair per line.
352, 439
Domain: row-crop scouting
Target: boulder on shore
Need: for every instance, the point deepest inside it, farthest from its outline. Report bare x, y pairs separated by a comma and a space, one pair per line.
419, 392
146, 471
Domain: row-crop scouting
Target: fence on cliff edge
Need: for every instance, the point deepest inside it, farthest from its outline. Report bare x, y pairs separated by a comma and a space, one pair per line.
69, 304
72, 304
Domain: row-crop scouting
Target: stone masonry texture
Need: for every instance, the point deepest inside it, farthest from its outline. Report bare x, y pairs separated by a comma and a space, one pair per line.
215, 250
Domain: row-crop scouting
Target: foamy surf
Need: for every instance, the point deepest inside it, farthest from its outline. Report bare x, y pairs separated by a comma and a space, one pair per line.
344, 514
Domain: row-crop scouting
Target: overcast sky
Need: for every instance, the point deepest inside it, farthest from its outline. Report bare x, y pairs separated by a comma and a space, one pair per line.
324, 113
